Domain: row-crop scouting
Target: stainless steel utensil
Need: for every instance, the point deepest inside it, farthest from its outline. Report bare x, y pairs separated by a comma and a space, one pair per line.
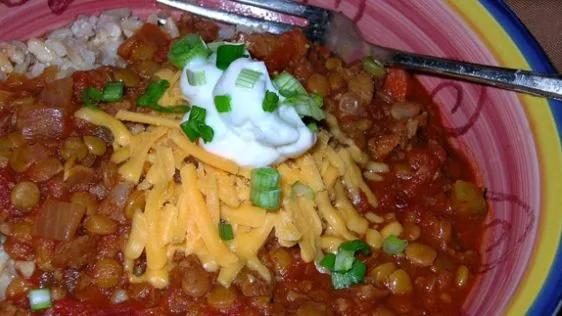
339, 33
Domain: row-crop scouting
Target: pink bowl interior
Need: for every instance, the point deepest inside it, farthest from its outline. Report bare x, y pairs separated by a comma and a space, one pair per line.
487, 124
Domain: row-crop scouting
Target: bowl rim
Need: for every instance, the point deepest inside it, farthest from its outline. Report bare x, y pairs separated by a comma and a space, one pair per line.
549, 298
544, 295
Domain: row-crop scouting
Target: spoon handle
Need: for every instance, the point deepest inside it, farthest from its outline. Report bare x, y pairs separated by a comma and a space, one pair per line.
547, 85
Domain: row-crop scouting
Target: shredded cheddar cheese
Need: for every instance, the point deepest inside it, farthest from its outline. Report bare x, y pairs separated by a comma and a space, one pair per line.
183, 215
146, 119
120, 132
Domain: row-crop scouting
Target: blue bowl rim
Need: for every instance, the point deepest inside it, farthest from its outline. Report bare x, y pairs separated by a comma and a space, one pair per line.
549, 299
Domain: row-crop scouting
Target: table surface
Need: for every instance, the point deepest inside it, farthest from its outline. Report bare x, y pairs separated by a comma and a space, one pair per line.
543, 19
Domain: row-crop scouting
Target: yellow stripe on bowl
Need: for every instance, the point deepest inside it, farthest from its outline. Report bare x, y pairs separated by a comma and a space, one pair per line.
548, 148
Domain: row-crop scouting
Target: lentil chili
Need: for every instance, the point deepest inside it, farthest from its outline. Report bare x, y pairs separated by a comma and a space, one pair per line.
427, 197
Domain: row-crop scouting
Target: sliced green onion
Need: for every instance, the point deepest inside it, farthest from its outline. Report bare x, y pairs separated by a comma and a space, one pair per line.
222, 103
153, 93
357, 271
196, 78
195, 126
305, 105
247, 78
288, 85
191, 130
265, 178
267, 199
355, 246
344, 260
225, 231
113, 91
313, 127
214, 46
341, 280
206, 132
197, 114
186, 49
92, 97
195, 130
356, 275
300, 189
39, 299
328, 261
374, 67
393, 245
265, 191
226, 54
318, 100
270, 101
346, 268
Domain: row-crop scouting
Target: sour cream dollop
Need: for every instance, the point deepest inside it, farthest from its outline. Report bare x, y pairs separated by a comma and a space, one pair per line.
247, 134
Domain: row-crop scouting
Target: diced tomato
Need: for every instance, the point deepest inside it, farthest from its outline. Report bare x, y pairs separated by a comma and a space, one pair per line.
396, 83
149, 35
292, 45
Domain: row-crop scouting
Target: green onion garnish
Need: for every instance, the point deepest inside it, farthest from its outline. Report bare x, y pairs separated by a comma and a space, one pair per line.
301, 189
196, 78
225, 231
206, 132
222, 103
318, 100
191, 130
270, 101
195, 126
92, 97
214, 46
345, 267
153, 93
393, 245
39, 299
346, 253
226, 54
113, 91
195, 130
266, 199
265, 178
374, 67
186, 49
288, 85
313, 127
328, 261
355, 246
355, 275
247, 78
265, 191
198, 114
306, 105
344, 260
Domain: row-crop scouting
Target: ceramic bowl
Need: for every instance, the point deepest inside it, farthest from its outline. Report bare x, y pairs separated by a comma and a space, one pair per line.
512, 139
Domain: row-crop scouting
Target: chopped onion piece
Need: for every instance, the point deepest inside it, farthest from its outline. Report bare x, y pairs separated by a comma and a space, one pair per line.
58, 220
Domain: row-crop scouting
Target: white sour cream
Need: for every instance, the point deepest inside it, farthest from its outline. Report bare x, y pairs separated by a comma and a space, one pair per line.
247, 134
